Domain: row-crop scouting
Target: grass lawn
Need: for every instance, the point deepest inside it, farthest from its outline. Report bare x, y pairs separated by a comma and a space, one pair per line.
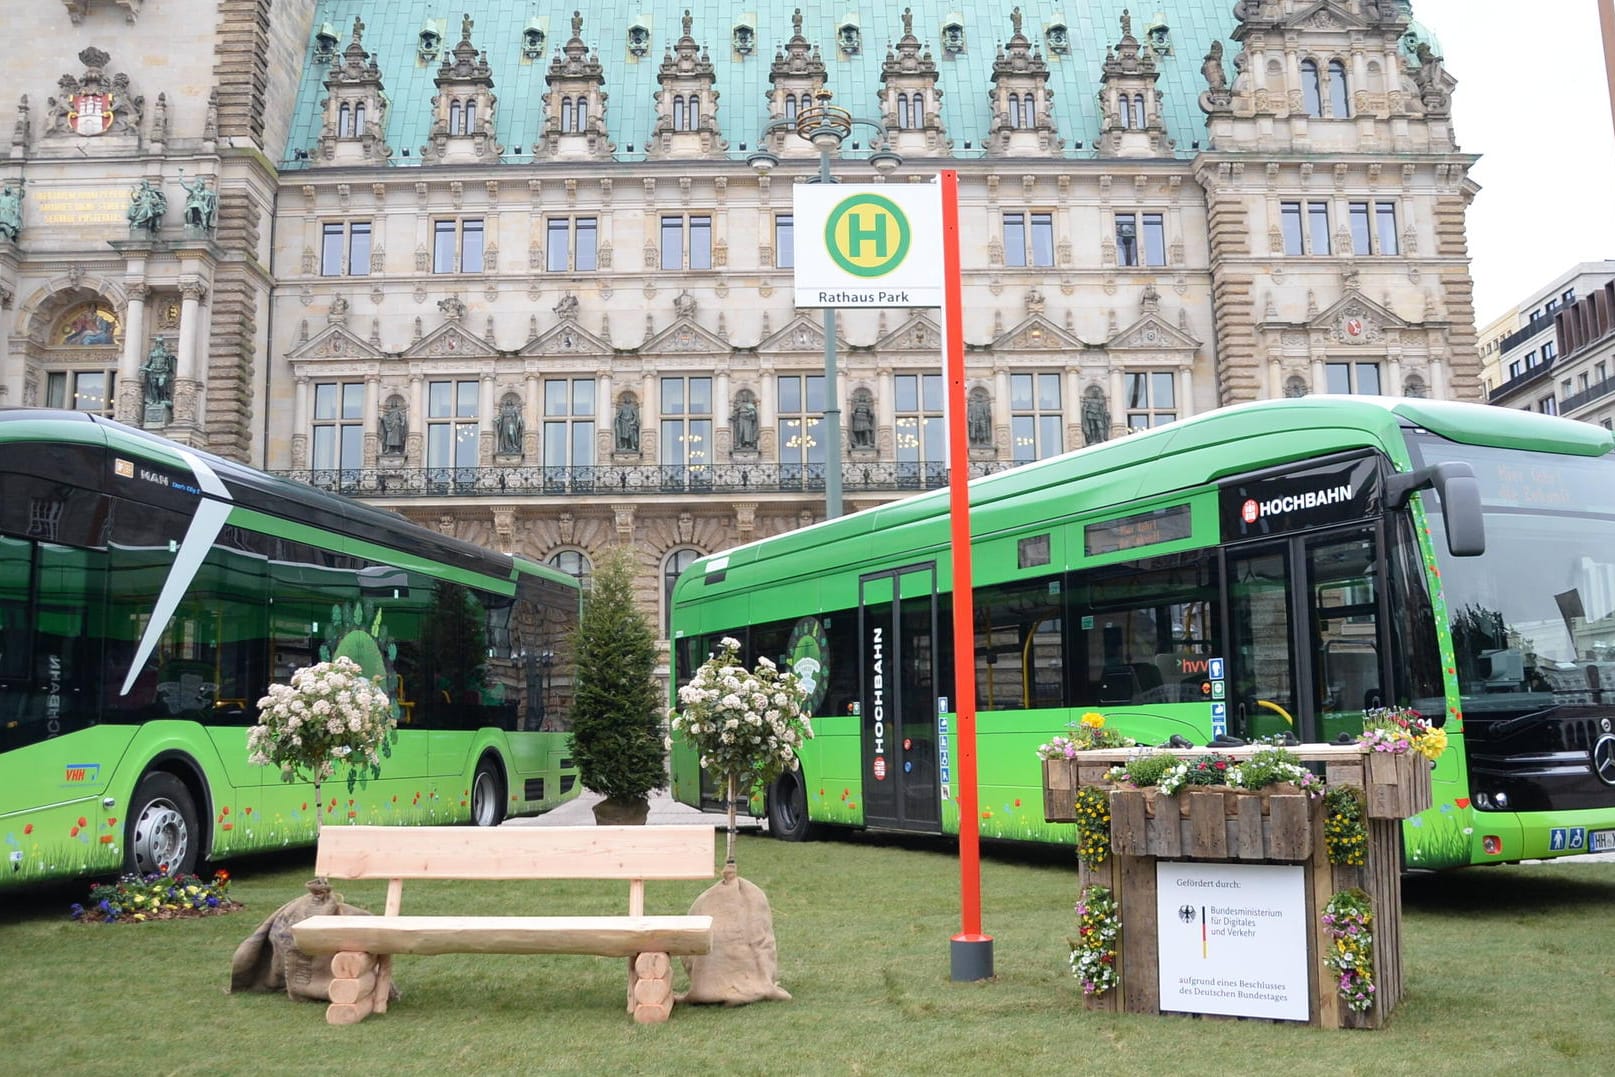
1508, 971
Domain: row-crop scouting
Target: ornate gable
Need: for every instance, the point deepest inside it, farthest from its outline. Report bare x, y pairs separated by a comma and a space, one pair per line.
336, 342
910, 99
1354, 320
687, 103
1131, 124
801, 334
355, 108
1153, 337
462, 110
919, 334
575, 104
797, 76
449, 341
684, 335
1020, 99
1037, 334
566, 338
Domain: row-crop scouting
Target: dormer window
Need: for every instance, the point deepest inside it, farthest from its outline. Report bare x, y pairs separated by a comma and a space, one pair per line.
325, 43
574, 115
849, 39
429, 45
953, 38
745, 39
1058, 39
462, 117
350, 120
1022, 110
533, 41
638, 39
686, 112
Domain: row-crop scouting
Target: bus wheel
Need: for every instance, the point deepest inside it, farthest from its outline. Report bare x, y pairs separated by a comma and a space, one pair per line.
487, 795
161, 834
787, 808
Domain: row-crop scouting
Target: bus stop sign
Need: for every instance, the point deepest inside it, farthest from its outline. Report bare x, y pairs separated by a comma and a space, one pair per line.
868, 245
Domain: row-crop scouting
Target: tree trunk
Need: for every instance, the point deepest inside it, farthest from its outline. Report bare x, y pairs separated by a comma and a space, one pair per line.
729, 854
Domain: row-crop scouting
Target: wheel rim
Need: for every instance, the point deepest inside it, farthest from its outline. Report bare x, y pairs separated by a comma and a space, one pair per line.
161, 838
484, 799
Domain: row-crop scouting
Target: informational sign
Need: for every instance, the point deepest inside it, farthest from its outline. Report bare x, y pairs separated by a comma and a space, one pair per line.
944, 750
868, 245
1218, 692
1232, 939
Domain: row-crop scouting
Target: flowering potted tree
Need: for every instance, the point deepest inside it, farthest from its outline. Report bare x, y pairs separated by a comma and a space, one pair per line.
747, 726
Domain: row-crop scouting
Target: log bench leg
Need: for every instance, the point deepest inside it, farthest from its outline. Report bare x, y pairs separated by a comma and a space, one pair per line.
357, 981
650, 987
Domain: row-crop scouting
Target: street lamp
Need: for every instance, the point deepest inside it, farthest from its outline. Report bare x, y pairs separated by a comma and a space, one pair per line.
825, 127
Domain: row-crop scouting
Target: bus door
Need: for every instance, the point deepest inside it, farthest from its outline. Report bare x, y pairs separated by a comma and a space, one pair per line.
897, 698
1308, 652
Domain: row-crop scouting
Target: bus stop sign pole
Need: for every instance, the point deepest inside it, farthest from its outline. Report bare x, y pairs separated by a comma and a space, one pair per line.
971, 951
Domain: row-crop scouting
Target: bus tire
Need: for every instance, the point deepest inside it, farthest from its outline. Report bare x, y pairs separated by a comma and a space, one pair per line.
787, 808
161, 834
487, 794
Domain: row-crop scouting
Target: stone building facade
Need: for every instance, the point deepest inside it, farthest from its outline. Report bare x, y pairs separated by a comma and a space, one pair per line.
510, 273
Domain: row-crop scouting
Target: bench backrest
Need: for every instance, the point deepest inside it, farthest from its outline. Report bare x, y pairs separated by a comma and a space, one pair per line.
516, 852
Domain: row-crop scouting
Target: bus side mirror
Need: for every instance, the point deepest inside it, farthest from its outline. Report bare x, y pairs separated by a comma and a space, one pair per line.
1459, 491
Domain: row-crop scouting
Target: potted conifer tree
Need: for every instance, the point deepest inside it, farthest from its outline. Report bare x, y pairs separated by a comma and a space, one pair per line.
617, 711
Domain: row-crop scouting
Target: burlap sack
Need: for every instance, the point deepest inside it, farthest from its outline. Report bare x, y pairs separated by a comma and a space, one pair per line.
743, 963
269, 960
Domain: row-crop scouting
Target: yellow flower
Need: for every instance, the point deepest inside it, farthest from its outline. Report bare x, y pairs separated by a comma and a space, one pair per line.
1432, 744
1093, 720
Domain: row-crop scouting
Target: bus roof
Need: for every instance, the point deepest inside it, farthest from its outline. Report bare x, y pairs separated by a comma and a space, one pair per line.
1171, 457
273, 496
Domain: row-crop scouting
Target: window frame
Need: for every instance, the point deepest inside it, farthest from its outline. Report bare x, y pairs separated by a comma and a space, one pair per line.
1148, 408
340, 254
1034, 420
570, 229
453, 257
688, 228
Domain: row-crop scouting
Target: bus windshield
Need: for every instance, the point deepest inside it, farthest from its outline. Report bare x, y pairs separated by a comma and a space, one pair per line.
1533, 619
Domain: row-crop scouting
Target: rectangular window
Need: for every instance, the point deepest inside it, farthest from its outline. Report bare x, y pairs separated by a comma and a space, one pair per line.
698, 255
1015, 239
457, 246
571, 244
1290, 220
1360, 243
919, 427
1151, 399
1143, 632
81, 390
799, 404
1028, 239
1140, 239
1515, 369
1548, 406
1550, 349
1385, 217
1035, 416
1318, 227
451, 424
784, 241
569, 422
687, 422
1353, 378
338, 426
345, 248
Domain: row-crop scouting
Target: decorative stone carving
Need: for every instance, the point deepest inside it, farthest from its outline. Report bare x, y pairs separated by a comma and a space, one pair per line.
94, 103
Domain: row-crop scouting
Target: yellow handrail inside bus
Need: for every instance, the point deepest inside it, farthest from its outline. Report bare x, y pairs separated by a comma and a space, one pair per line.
1275, 708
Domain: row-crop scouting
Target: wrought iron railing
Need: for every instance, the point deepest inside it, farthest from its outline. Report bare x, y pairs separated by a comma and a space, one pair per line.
727, 480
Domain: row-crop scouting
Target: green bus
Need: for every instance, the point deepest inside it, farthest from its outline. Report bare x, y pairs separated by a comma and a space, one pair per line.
1264, 568
150, 593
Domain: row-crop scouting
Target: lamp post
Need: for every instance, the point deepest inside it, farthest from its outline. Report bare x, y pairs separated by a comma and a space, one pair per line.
825, 127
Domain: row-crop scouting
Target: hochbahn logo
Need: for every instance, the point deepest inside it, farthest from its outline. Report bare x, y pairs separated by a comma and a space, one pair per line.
867, 235
1254, 510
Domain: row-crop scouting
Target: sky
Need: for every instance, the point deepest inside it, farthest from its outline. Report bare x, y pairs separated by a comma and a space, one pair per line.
1533, 102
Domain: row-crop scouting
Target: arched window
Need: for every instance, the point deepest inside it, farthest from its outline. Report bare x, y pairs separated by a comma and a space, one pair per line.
574, 563
456, 119
580, 121
1139, 118
566, 115
1124, 107
673, 568
1014, 110
1311, 101
344, 122
902, 111
358, 119
1028, 110
470, 118
1339, 98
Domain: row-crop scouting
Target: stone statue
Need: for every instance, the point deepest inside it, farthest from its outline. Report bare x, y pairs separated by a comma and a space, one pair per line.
11, 210
158, 371
394, 430
1212, 69
1427, 76
979, 419
1095, 416
745, 423
567, 308
684, 305
147, 204
626, 425
511, 426
201, 204
863, 424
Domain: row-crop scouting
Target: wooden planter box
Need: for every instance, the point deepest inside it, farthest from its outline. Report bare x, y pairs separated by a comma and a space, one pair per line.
1236, 826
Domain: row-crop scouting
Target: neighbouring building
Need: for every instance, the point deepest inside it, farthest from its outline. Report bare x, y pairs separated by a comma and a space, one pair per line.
511, 270
1557, 348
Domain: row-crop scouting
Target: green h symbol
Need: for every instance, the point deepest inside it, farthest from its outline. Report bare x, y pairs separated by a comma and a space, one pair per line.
858, 234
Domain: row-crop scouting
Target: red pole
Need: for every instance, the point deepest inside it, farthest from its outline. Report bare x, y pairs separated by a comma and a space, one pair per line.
972, 951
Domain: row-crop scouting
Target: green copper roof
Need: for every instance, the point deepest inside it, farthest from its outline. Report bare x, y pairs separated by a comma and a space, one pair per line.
392, 31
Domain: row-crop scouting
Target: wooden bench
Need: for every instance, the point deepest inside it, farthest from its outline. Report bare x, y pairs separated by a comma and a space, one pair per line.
363, 945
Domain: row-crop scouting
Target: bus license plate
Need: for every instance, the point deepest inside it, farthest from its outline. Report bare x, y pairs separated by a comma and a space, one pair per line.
1603, 841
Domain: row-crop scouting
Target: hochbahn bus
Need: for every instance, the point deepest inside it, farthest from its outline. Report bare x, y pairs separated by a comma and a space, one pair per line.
1330, 554
150, 593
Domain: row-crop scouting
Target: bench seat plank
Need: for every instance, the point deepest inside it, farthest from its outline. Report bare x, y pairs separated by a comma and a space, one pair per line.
515, 852
606, 936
